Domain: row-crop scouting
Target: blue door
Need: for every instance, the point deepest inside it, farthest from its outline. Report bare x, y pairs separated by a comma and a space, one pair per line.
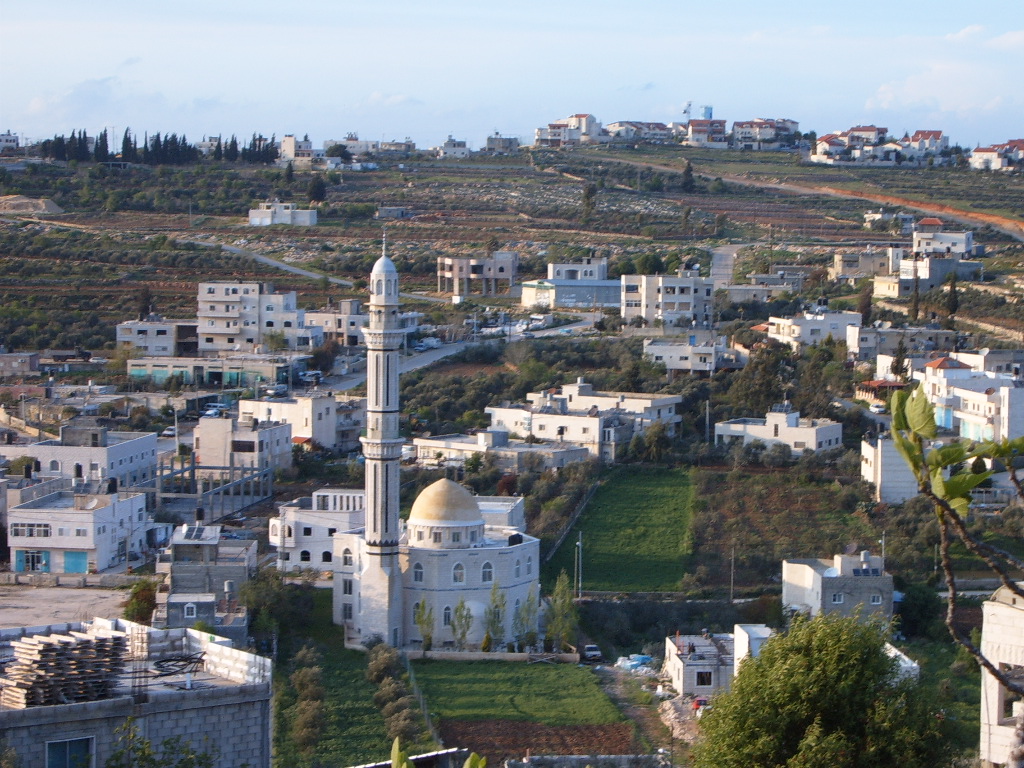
76, 562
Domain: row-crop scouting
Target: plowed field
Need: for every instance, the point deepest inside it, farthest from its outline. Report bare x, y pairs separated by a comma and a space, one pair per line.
498, 740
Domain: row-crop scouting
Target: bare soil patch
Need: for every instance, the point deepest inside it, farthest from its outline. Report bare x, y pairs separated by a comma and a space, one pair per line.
498, 740
24, 606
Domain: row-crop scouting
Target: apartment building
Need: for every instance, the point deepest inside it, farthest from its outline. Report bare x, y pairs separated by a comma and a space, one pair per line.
156, 337
465, 275
1002, 643
250, 316
276, 212
846, 584
782, 425
812, 327
220, 443
343, 321
319, 419
700, 351
868, 342
683, 299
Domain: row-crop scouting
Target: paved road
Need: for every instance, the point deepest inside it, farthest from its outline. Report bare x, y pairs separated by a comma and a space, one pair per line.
723, 262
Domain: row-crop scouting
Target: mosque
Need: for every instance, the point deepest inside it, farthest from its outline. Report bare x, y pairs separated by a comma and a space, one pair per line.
454, 546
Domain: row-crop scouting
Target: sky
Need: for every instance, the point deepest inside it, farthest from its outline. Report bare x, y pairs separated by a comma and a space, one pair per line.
429, 69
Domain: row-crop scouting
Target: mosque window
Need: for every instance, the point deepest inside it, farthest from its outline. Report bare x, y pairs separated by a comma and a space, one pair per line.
529, 565
304, 556
325, 556
419, 535
417, 572
517, 572
346, 586
459, 574
346, 557
472, 535
456, 537
437, 537
446, 617
487, 573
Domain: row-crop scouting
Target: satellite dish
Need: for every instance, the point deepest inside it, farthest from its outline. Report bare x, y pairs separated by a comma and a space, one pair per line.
92, 503
984, 350
831, 572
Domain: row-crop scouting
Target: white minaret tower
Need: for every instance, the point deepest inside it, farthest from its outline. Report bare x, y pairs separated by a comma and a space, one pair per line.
381, 580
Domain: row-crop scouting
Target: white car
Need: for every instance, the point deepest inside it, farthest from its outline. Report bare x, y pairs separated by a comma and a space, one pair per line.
169, 432
877, 408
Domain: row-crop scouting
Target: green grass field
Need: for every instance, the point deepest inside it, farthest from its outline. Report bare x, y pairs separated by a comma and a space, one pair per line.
557, 695
635, 532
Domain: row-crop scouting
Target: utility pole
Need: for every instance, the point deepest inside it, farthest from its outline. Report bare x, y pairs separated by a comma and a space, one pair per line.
732, 575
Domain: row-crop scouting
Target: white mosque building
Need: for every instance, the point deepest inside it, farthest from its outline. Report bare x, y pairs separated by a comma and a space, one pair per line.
454, 546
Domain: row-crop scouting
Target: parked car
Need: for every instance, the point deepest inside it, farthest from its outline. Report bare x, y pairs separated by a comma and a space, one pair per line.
275, 390
591, 653
877, 408
310, 377
169, 432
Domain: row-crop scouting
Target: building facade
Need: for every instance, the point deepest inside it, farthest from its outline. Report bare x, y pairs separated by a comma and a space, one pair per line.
847, 584
247, 317
683, 299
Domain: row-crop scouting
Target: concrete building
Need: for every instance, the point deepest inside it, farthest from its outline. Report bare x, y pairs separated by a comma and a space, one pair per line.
501, 145
510, 455
463, 276
709, 133
447, 551
980, 405
571, 294
229, 371
603, 422
868, 342
1002, 643
782, 425
303, 532
343, 321
701, 351
680, 300
68, 532
587, 268
849, 267
453, 149
19, 364
571, 132
319, 419
220, 443
241, 316
812, 328
220, 704
882, 465
699, 665
276, 212
93, 454
846, 584
156, 337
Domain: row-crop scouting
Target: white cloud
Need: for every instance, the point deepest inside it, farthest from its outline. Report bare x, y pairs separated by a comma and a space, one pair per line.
946, 86
966, 33
379, 99
1008, 41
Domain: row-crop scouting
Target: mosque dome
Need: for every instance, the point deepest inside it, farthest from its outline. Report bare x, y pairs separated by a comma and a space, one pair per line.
445, 502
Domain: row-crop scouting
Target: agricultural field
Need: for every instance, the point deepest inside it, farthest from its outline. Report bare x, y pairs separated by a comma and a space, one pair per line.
502, 709
636, 533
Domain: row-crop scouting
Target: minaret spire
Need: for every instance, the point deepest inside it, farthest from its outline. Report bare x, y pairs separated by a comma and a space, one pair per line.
381, 594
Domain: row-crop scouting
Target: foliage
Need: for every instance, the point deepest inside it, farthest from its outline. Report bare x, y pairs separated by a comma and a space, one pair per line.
133, 750
494, 614
462, 623
141, 602
823, 694
913, 429
541, 693
424, 618
561, 616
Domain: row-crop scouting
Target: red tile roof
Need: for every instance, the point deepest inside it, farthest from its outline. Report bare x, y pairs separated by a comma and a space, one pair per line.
931, 221
945, 363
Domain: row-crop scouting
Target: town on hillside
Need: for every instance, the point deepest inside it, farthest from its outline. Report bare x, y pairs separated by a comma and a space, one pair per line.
643, 444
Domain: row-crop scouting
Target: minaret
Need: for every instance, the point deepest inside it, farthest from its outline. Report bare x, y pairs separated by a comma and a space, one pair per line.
381, 586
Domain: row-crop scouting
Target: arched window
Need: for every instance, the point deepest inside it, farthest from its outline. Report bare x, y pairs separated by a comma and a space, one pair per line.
417, 572
487, 573
529, 565
54, 466
517, 569
346, 557
304, 556
325, 557
273, 529
446, 617
288, 531
458, 574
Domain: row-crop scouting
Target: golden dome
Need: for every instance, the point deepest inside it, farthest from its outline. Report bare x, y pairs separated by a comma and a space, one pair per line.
445, 502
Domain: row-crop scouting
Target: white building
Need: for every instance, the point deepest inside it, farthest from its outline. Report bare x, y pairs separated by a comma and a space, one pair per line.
579, 293
700, 351
812, 328
603, 422
708, 133
319, 419
354, 145
882, 465
682, 300
225, 442
980, 405
8, 141
636, 130
782, 425
846, 584
509, 455
276, 212
447, 552
588, 268
68, 532
344, 320
572, 131
93, 454
303, 532
868, 342
239, 316
453, 148
156, 337
1002, 643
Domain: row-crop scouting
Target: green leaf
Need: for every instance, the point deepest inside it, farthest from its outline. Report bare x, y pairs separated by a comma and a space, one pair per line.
947, 455
898, 407
960, 485
921, 415
909, 451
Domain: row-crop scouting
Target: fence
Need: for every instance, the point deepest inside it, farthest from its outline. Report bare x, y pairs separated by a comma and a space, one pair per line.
572, 520
434, 733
